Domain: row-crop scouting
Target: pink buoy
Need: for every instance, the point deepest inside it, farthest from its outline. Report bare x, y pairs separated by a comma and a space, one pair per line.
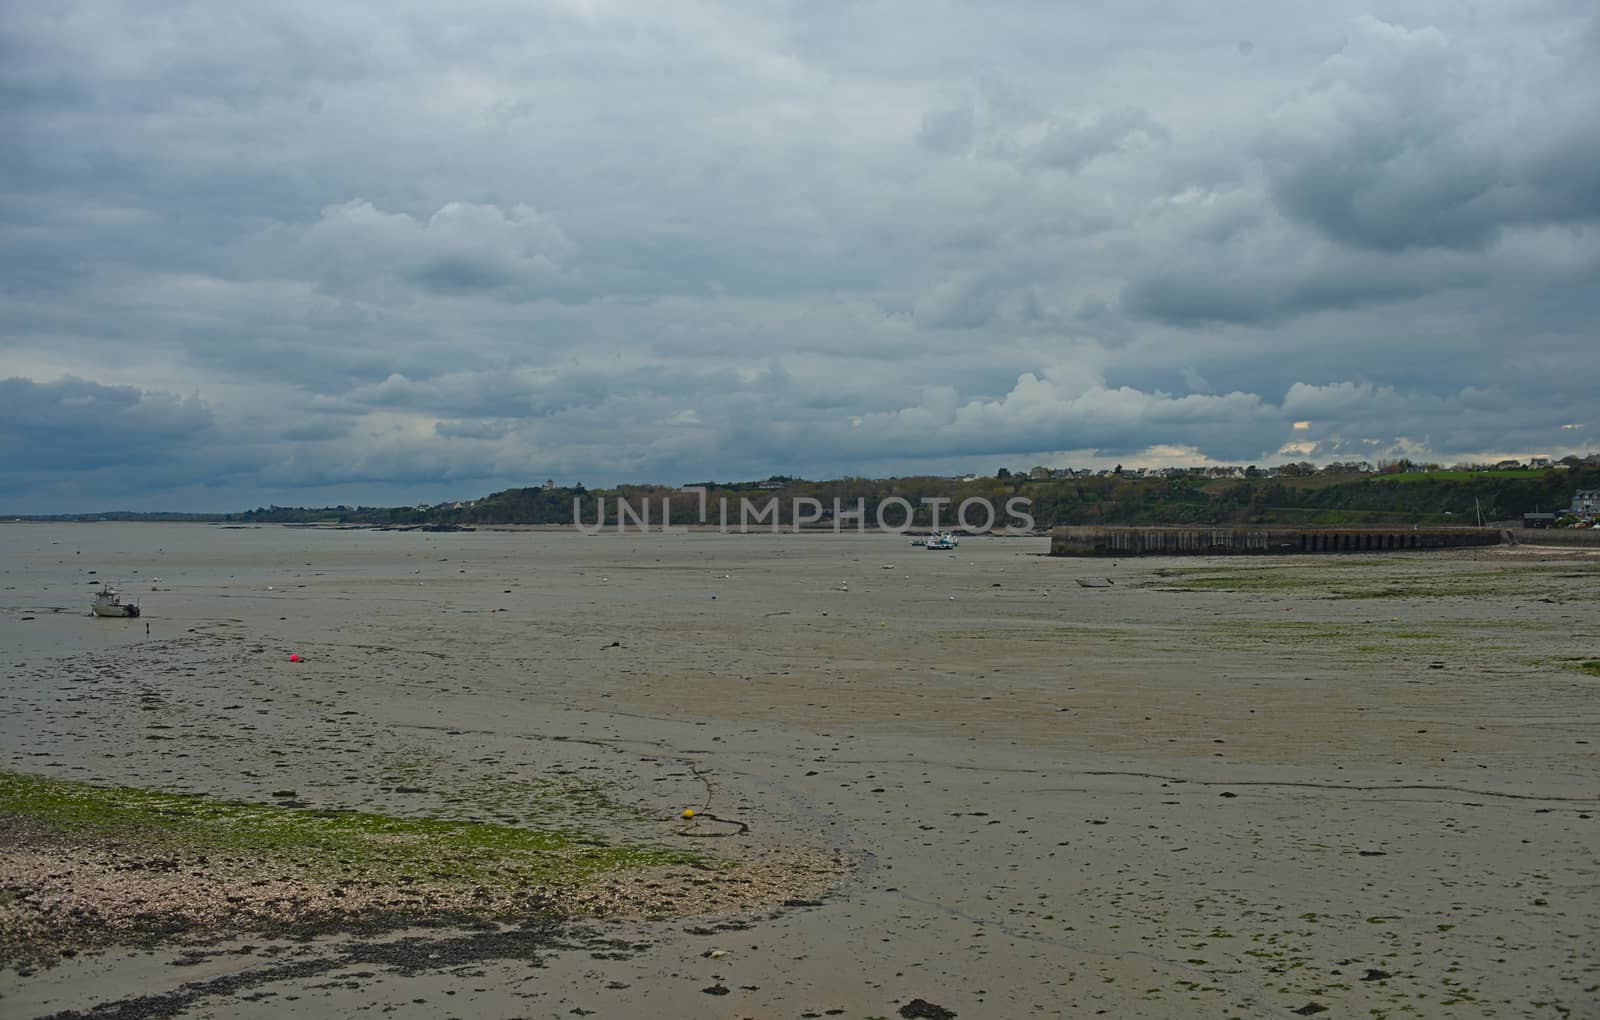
294, 658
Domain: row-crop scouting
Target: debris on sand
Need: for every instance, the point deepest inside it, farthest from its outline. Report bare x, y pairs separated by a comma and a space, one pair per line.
922, 1009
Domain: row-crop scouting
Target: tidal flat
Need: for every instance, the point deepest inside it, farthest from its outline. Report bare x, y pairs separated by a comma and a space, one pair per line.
1362, 784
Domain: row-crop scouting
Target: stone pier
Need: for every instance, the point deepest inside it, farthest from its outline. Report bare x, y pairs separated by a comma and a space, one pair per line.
1260, 540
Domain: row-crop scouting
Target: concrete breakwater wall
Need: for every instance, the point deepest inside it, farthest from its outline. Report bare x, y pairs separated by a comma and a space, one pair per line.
1260, 541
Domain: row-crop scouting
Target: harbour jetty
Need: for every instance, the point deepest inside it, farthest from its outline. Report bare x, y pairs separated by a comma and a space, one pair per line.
1261, 541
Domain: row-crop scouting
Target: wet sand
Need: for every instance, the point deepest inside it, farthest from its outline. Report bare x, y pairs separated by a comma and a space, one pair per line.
1161, 798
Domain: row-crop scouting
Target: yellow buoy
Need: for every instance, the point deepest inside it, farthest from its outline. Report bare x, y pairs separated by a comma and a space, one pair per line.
688, 812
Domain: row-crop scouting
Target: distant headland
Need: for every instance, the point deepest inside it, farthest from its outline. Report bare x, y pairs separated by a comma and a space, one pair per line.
1562, 493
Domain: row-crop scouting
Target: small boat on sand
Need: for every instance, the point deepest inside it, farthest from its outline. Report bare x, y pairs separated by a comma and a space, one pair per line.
1094, 582
942, 540
107, 602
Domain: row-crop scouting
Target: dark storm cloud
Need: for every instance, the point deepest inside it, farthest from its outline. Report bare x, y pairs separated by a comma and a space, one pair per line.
1408, 140
317, 429
473, 429
1259, 291
73, 442
390, 251
456, 250
78, 422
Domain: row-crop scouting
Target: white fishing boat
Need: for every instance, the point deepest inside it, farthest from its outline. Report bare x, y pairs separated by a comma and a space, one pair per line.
107, 602
943, 540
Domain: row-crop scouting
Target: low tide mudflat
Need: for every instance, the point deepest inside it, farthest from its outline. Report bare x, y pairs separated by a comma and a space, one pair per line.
1363, 785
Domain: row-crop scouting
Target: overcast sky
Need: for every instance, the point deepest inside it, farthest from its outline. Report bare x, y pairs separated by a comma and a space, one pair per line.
310, 252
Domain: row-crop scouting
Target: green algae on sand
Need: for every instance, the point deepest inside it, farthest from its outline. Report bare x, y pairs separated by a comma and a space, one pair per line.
89, 867
322, 842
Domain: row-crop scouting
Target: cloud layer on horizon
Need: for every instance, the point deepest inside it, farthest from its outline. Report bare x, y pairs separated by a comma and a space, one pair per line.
378, 253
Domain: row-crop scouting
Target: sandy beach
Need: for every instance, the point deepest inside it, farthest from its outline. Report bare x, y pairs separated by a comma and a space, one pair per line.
1352, 786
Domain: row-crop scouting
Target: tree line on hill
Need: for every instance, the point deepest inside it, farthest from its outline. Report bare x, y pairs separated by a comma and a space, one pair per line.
1314, 499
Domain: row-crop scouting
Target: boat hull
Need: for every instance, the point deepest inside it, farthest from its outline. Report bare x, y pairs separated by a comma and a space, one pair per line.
116, 610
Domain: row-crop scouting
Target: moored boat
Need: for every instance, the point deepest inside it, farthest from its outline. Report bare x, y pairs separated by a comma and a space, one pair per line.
107, 602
